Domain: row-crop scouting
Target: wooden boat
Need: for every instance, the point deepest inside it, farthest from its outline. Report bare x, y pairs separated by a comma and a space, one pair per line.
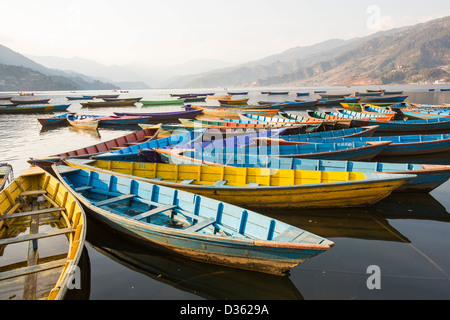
234, 112
218, 97
302, 94
81, 122
400, 146
219, 142
406, 126
372, 109
326, 135
368, 94
54, 121
24, 109
133, 138
320, 91
171, 116
233, 101
428, 177
116, 120
264, 119
132, 152
334, 96
424, 114
330, 115
244, 106
273, 93
393, 99
173, 102
79, 98
29, 101
121, 99
6, 175
60, 107
37, 206
259, 188
374, 90
107, 96
193, 99
106, 104
238, 93
363, 115
445, 89
190, 225
297, 104
331, 151
330, 123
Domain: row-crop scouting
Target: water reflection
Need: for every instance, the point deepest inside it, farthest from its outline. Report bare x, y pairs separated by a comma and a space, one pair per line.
205, 280
369, 223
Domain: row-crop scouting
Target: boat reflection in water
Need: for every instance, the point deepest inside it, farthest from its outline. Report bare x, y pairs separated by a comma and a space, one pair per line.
370, 223
203, 279
217, 282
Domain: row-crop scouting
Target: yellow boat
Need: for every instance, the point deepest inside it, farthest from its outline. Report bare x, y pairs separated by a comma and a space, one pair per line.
260, 188
234, 112
37, 209
217, 97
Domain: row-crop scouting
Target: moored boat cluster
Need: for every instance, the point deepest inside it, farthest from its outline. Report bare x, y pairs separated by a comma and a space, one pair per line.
192, 182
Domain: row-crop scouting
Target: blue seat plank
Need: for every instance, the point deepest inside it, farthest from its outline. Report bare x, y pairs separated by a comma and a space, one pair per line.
198, 226
115, 199
154, 211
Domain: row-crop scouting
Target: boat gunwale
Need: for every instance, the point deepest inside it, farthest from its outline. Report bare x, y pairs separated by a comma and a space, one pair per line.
192, 235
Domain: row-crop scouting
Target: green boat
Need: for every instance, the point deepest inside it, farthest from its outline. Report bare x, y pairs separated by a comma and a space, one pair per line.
162, 102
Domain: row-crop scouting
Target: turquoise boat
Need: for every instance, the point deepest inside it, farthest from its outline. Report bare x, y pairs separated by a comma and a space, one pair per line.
406, 126
190, 225
132, 153
400, 146
428, 177
331, 151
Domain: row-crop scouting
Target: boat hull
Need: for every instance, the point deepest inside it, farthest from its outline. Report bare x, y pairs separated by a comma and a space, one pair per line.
360, 192
428, 177
269, 256
58, 217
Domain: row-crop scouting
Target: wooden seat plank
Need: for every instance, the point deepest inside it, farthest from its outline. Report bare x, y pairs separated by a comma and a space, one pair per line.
289, 235
32, 269
200, 225
154, 211
220, 183
115, 199
36, 236
31, 213
33, 193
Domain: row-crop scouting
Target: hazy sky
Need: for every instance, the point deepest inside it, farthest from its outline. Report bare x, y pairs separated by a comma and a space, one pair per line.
169, 32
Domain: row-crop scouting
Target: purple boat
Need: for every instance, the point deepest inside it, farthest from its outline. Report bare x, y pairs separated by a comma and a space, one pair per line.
165, 116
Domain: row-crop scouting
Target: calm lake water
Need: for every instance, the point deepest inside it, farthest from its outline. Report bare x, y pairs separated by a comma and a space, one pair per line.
407, 236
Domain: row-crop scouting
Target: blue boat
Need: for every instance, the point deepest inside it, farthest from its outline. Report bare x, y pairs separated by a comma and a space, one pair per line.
400, 146
302, 94
426, 114
190, 225
60, 107
331, 151
428, 177
132, 153
233, 141
393, 99
406, 126
55, 121
295, 104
